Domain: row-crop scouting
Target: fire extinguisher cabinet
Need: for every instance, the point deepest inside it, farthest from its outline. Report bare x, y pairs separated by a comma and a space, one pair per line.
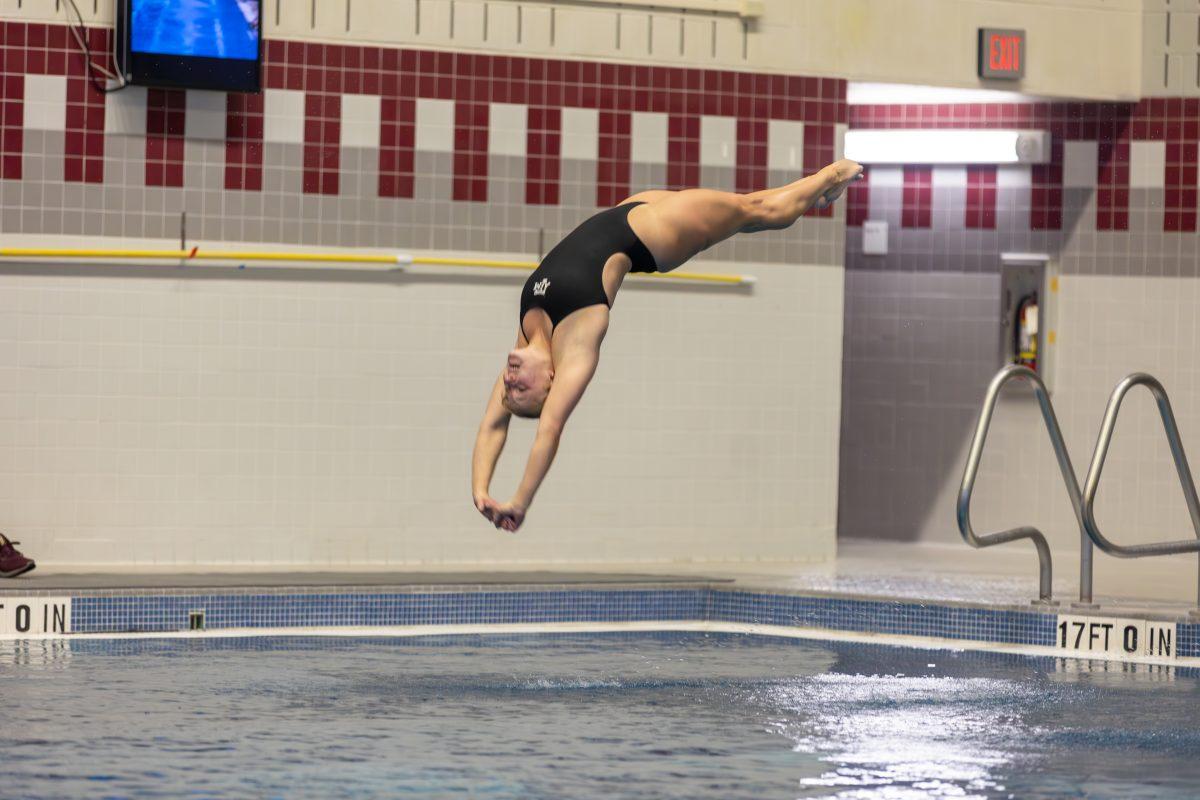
1027, 289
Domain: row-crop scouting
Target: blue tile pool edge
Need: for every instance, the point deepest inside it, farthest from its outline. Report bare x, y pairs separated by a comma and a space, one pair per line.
307, 608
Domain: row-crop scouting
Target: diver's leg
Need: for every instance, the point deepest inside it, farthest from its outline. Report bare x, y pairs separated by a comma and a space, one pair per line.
682, 224
648, 196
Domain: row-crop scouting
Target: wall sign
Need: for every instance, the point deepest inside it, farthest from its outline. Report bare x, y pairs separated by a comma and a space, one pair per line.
1001, 53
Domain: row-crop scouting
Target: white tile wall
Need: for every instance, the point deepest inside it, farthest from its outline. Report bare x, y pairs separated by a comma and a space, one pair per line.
46, 102
435, 125
125, 111
283, 116
648, 137
839, 139
231, 421
785, 144
205, 117
581, 133
360, 120
1107, 327
887, 175
1147, 164
508, 129
949, 177
718, 141
1080, 160
1014, 176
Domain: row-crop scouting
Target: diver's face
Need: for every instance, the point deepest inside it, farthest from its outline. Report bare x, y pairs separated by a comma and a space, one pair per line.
527, 376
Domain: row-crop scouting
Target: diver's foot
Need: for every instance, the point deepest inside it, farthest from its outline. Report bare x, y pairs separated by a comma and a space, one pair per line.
843, 173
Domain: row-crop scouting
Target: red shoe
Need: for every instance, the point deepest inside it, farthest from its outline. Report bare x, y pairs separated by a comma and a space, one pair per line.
12, 563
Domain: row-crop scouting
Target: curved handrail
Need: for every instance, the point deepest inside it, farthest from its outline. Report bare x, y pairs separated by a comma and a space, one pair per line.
1092, 482
1009, 373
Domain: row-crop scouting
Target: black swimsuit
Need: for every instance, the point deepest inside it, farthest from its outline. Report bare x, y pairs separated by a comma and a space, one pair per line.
570, 277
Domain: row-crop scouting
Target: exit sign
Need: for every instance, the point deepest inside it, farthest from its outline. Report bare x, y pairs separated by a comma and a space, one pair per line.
1001, 54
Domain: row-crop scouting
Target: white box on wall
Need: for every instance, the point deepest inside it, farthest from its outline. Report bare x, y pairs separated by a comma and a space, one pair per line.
875, 237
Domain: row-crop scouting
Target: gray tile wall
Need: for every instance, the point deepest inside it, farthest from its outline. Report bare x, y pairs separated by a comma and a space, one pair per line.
949, 246
919, 348
281, 213
921, 341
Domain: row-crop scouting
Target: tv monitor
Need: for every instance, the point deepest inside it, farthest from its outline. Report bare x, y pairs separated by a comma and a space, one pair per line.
191, 44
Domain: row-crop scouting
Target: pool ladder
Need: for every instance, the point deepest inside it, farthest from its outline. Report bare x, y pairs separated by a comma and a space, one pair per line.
1082, 502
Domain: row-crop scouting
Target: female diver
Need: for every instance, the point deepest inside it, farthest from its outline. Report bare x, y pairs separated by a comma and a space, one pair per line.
565, 304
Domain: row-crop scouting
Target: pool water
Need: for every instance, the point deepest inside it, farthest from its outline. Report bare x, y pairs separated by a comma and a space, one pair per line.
604, 716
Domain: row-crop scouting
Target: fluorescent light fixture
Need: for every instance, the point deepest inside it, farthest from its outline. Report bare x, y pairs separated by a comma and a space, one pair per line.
863, 93
948, 146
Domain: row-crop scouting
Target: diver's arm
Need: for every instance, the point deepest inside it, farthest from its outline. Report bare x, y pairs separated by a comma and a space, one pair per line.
570, 381
489, 443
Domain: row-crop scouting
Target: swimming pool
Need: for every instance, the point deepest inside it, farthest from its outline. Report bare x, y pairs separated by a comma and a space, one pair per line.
614, 715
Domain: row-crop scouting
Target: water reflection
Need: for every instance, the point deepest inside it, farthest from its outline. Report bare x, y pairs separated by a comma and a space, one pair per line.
661, 716
899, 737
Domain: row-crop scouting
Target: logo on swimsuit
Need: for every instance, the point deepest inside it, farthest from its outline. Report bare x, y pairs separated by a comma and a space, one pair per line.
539, 288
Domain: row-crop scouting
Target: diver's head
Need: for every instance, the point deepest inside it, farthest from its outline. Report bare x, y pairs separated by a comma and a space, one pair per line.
528, 374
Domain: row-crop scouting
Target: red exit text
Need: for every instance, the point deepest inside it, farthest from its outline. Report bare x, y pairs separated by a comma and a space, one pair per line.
1004, 52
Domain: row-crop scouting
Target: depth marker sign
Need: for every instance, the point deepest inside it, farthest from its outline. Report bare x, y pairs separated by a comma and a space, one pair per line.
21, 616
1115, 636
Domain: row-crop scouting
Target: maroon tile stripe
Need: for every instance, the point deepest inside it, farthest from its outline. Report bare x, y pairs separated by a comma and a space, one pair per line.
397, 141
12, 125
613, 159
322, 143
751, 173
818, 151
1112, 185
84, 157
243, 141
470, 151
469, 83
1174, 120
918, 196
165, 118
42, 49
324, 72
543, 151
1179, 196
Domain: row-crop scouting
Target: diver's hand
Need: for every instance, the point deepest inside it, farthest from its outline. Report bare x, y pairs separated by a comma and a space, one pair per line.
486, 506
509, 516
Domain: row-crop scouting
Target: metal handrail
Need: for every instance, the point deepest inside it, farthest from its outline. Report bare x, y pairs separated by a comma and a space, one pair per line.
1092, 482
1009, 373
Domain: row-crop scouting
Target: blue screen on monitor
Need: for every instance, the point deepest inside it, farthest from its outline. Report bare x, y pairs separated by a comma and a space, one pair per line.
212, 28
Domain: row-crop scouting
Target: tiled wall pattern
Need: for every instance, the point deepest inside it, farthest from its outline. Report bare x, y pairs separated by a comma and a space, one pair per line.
1132, 156
296, 418
364, 146
1116, 213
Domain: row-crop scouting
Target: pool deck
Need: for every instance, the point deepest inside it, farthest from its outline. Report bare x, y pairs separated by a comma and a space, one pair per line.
934, 573
112, 581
